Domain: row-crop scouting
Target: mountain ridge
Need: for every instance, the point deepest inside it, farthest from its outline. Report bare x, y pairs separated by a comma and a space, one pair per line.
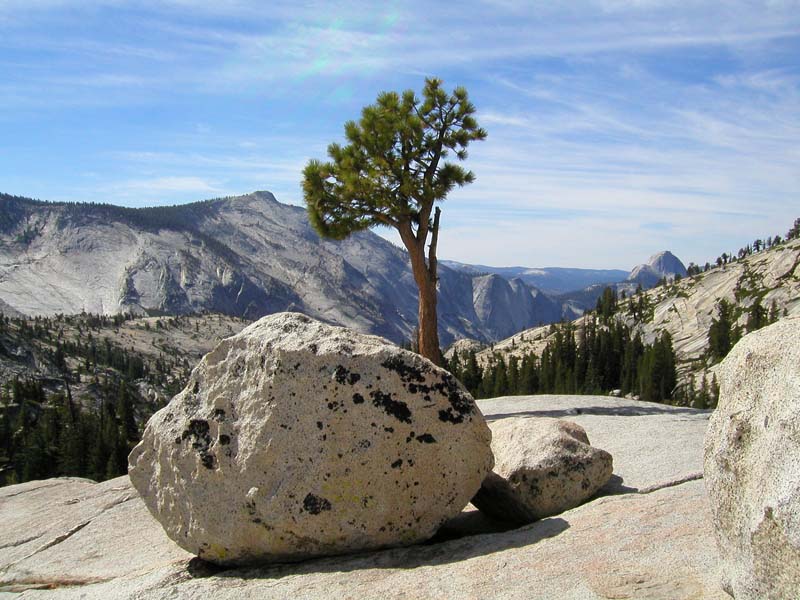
245, 255
550, 280
662, 265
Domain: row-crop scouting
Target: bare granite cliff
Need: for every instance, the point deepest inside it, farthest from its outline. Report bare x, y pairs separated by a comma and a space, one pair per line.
244, 256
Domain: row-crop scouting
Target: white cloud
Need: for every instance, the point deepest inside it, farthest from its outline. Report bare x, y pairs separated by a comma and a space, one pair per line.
153, 188
589, 131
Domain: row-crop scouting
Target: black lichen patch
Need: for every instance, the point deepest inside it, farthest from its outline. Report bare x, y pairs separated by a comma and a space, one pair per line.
219, 415
315, 504
358, 398
395, 408
397, 464
196, 387
407, 372
319, 425
461, 405
342, 375
198, 430
224, 439
426, 438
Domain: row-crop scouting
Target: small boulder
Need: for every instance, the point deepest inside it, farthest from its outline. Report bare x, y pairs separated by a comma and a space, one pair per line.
752, 464
296, 439
542, 467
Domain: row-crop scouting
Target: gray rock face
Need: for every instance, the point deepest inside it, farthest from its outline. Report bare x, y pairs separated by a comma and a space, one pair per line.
245, 256
653, 445
463, 346
542, 468
752, 464
295, 439
661, 264
504, 307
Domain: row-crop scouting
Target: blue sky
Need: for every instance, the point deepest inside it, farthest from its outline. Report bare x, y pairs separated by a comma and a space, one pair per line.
616, 128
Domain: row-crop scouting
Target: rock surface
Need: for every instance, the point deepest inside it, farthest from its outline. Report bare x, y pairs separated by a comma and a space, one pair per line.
653, 445
71, 532
650, 540
661, 264
243, 256
295, 439
752, 464
542, 467
463, 346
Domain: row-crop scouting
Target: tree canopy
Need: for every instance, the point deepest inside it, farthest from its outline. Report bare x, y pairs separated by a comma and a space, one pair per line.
394, 166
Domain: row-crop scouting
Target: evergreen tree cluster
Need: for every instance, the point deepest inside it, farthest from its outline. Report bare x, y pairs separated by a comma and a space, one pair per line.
46, 430
89, 351
758, 245
44, 436
598, 359
706, 396
724, 331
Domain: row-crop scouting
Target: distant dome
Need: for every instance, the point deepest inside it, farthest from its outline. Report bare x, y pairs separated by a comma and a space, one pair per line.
666, 263
662, 264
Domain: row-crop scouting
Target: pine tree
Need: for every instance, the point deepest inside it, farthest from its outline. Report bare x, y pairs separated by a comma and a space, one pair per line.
390, 174
714, 392
657, 374
720, 333
500, 378
513, 376
529, 379
632, 354
756, 316
472, 374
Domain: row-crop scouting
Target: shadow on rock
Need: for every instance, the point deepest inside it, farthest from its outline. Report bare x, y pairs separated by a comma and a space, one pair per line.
409, 557
621, 411
614, 486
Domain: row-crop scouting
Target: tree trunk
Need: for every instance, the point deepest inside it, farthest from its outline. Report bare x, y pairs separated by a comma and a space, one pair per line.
428, 322
425, 276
